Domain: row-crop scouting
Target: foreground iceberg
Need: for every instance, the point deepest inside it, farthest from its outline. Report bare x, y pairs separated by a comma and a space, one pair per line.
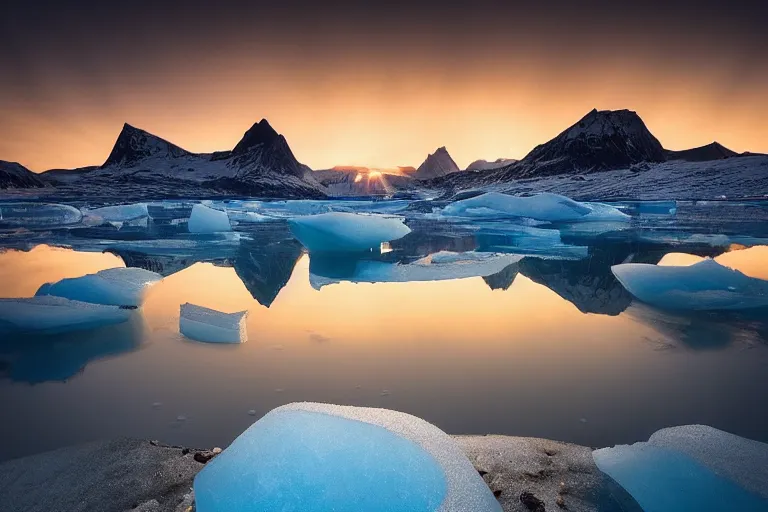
706, 285
56, 314
38, 214
207, 220
320, 458
346, 232
115, 286
440, 266
691, 469
545, 207
211, 326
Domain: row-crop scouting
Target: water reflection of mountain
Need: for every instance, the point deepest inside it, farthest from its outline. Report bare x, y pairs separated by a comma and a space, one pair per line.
36, 358
703, 330
265, 266
588, 283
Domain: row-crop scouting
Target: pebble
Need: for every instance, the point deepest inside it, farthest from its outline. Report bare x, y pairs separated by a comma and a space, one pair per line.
252, 412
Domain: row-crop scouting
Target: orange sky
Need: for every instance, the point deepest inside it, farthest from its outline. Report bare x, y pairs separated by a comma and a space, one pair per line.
378, 89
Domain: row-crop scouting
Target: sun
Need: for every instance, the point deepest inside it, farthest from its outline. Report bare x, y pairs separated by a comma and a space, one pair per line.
374, 175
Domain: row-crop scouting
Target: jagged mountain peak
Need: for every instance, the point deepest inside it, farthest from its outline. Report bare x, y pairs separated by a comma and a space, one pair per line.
436, 164
134, 144
599, 141
258, 134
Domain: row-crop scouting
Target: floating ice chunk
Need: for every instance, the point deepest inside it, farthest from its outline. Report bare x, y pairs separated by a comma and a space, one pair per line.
706, 285
435, 267
346, 232
600, 212
680, 472
741, 460
208, 220
246, 216
56, 314
117, 213
546, 207
320, 457
114, 286
211, 326
38, 214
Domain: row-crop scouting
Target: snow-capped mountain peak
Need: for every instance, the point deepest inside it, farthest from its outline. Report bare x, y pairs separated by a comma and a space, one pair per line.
134, 144
259, 134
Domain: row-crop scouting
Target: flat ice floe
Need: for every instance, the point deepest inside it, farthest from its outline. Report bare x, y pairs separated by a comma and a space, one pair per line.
706, 285
56, 314
115, 286
693, 468
207, 220
211, 326
38, 214
541, 207
346, 232
321, 457
440, 266
116, 214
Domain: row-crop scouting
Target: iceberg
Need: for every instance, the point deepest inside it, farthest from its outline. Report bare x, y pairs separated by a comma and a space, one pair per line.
56, 314
116, 214
115, 286
321, 457
38, 214
545, 207
346, 232
706, 285
691, 469
440, 266
207, 220
211, 326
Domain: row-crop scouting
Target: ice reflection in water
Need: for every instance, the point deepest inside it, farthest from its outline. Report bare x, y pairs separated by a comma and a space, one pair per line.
529, 349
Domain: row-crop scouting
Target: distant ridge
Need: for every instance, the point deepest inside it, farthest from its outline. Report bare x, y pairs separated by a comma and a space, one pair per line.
484, 165
15, 175
713, 151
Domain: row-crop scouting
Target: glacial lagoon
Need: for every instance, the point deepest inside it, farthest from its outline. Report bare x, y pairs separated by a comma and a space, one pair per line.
477, 325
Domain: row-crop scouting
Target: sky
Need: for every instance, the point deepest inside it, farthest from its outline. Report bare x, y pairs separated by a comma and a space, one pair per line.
381, 85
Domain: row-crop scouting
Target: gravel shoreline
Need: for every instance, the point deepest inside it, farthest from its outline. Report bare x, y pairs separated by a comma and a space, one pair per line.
525, 474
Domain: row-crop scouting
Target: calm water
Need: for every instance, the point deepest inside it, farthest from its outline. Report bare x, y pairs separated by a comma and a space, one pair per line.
549, 347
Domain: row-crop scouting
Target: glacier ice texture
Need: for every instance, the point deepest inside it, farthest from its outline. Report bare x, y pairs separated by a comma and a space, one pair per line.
346, 232
117, 213
32, 215
51, 315
545, 207
207, 220
693, 468
706, 285
321, 457
210, 326
115, 286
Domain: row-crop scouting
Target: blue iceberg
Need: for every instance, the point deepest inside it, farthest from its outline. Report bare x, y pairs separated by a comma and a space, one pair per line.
56, 314
706, 285
545, 207
211, 326
691, 469
114, 286
207, 220
346, 232
320, 458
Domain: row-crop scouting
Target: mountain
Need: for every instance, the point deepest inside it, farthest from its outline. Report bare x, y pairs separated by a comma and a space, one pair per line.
134, 145
484, 165
600, 141
436, 165
143, 165
713, 151
15, 175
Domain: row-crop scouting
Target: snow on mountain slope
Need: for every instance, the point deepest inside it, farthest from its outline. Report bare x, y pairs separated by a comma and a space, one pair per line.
437, 164
144, 165
485, 165
14, 175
